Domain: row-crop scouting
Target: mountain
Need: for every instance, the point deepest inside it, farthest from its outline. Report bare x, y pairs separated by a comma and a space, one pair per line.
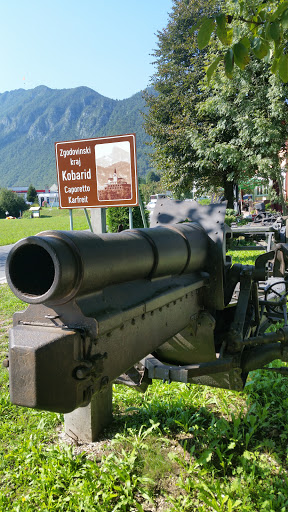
31, 121
117, 155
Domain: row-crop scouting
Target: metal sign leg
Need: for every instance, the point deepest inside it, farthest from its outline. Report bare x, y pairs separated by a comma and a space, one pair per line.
130, 218
88, 220
71, 219
142, 212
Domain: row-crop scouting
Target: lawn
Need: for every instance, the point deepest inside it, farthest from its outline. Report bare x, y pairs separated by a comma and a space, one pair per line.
176, 448
13, 230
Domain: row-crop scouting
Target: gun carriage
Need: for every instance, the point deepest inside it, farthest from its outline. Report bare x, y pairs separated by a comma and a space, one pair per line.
266, 230
159, 303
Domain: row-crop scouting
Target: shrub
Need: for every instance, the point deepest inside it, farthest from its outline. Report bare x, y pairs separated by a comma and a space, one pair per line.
119, 216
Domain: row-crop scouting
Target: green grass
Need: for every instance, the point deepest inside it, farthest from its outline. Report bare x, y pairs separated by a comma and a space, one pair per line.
244, 257
14, 229
175, 448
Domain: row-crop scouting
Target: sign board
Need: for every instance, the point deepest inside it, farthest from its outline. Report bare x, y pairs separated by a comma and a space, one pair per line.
97, 172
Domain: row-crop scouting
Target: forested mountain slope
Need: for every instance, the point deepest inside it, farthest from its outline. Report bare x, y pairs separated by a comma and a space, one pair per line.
32, 120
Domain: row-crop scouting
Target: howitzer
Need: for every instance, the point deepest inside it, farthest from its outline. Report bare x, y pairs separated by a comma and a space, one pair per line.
159, 303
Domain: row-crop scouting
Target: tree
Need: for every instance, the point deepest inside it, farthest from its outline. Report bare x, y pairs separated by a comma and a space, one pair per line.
12, 203
32, 194
176, 94
219, 132
152, 177
149, 189
241, 128
247, 27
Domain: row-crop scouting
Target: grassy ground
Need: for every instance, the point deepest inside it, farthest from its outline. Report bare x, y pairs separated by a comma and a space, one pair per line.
176, 448
13, 230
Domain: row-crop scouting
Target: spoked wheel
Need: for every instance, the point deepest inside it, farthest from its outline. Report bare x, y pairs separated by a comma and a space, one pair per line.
276, 295
265, 217
260, 217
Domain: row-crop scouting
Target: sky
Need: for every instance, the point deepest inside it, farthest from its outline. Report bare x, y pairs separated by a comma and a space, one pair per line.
102, 44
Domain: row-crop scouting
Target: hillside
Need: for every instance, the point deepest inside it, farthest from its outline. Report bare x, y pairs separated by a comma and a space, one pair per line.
32, 120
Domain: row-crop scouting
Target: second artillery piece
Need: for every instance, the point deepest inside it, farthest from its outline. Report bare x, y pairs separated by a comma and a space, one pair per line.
160, 303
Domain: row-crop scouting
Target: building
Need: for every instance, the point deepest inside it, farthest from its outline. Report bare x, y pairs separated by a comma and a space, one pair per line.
22, 191
115, 188
50, 196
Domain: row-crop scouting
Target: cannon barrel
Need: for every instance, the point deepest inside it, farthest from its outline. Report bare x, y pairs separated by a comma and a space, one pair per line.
55, 266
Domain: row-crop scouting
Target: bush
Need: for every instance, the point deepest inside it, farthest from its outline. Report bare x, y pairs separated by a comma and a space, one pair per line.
119, 216
12, 203
230, 217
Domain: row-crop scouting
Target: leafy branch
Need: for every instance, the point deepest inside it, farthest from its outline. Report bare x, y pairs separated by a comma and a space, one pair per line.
260, 30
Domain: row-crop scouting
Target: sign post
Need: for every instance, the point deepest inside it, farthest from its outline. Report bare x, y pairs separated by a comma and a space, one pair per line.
98, 220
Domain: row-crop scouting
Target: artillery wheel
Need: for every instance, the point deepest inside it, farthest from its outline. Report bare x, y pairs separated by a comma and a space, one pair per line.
277, 299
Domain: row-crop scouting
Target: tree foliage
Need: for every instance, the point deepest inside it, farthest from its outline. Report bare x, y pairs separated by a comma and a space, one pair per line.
152, 177
12, 203
212, 133
31, 194
241, 127
172, 105
149, 189
245, 28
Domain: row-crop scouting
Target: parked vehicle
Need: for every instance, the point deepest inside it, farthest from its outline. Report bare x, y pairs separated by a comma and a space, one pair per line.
153, 200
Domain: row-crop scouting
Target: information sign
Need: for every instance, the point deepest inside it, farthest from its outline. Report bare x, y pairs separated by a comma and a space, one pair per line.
97, 172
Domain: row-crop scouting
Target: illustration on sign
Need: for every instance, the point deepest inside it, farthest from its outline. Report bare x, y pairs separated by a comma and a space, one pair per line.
113, 171
97, 172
